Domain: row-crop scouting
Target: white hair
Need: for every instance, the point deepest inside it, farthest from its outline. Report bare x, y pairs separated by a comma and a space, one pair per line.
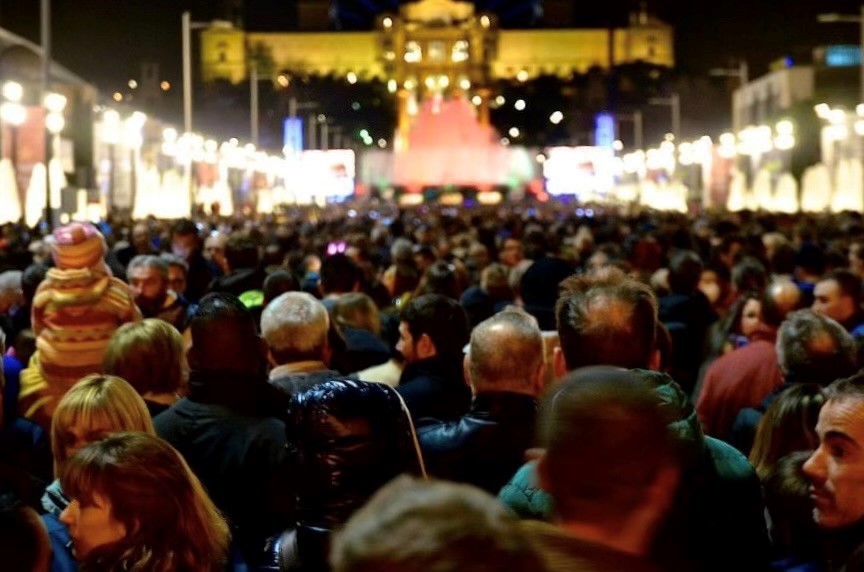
295, 324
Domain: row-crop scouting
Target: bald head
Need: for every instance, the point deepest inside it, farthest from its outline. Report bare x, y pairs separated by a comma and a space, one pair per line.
506, 353
781, 298
295, 325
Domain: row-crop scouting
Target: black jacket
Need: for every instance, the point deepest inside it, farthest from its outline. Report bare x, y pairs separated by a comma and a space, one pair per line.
484, 448
435, 387
227, 432
351, 438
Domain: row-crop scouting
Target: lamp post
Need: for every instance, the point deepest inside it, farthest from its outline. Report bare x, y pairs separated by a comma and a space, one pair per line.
111, 136
834, 18
133, 139
674, 103
54, 104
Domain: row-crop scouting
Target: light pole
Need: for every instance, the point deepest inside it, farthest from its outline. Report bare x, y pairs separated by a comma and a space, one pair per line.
834, 18
674, 103
111, 136
132, 127
45, 29
54, 104
186, 27
636, 118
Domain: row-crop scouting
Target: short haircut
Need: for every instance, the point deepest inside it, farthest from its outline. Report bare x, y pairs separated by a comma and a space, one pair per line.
749, 274
149, 261
606, 319
241, 251
420, 526
23, 539
339, 274
849, 388
176, 261
96, 406
506, 350
685, 269
278, 282
813, 348
439, 317
184, 227
848, 283
149, 354
357, 310
31, 278
224, 335
606, 441
295, 325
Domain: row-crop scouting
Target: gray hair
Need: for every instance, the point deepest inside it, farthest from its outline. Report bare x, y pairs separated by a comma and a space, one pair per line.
149, 261
10, 282
295, 325
401, 250
506, 350
173, 260
815, 349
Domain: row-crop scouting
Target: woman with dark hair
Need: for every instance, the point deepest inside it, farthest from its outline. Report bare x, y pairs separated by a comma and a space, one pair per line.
137, 506
440, 278
733, 332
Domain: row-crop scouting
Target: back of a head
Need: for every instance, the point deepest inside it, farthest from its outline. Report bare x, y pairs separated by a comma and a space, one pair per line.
149, 354
749, 274
439, 317
783, 259
339, 274
606, 443
278, 283
295, 325
685, 269
357, 310
606, 319
241, 251
31, 278
787, 498
223, 336
440, 278
422, 526
812, 348
24, 544
781, 298
506, 352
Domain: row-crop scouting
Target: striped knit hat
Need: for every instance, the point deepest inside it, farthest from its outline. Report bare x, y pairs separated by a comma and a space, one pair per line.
77, 245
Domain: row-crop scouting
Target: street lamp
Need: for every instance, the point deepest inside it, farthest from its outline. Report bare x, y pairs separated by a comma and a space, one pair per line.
834, 18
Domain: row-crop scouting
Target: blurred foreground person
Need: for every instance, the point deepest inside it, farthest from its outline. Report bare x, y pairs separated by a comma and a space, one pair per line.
24, 545
137, 506
421, 526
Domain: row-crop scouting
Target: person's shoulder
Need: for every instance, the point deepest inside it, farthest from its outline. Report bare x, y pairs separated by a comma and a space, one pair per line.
729, 463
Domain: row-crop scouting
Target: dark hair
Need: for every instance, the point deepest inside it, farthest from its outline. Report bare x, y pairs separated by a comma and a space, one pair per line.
223, 334
787, 498
848, 283
440, 278
849, 388
184, 227
439, 317
606, 319
685, 269
241, 251
22, 537
420, 526
606, 441
749, 274
32, 276
277, 283
815, 349
783, 259
339, 274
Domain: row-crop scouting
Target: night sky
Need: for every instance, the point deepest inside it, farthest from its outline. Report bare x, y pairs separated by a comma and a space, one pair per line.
105, 40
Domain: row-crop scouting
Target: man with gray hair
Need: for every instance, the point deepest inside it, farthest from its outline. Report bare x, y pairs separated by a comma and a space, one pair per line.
295, 326
811, 348
148, 277
484, 447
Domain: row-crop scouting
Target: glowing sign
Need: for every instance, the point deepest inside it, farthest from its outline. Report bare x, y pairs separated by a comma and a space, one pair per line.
292, 135
842, 56
604, 130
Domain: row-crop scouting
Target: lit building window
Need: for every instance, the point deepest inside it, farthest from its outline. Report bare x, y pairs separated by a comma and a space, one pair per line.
437, 51
460, 51
413, 53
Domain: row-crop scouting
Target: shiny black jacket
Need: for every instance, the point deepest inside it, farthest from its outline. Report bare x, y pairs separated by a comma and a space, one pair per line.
484, 448
351, 438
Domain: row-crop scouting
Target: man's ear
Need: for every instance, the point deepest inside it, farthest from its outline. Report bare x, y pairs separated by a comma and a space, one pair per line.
539, 380
426, 347
559, 364
270, 359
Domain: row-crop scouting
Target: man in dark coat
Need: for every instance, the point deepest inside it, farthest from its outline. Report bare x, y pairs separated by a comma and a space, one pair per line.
486, 446
433, 329
186, 244
227, 427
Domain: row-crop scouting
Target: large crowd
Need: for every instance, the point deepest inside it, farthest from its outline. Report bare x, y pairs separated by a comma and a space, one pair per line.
366, 388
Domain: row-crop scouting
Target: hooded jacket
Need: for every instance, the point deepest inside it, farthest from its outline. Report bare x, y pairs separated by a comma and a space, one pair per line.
717, 522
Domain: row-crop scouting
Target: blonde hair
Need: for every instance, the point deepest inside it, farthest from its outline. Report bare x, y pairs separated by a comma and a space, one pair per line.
149, 355
96, 406
170, 521
357, 310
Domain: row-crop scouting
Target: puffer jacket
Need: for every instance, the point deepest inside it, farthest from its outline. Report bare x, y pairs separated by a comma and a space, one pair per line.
350, 438
718, 519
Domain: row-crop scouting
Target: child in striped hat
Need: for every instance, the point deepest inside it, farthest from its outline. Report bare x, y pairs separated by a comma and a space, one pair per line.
75, 311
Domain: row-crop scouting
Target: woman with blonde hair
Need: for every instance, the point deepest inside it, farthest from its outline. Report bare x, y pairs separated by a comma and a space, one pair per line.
152, 512
92, 409
149, 355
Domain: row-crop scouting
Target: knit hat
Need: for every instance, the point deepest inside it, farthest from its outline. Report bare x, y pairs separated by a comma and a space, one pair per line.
77, 245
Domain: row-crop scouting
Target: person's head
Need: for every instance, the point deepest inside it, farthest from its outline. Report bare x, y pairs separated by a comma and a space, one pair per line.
511, 252
339, 274
214, 247
605, 319
241, 251
31, 278
745, 315
749, 274
506, 354
141, 238
24, 345
10, 290
295, 325
789, 425
277, 283
685, 269
609, 462
814, 349
838, 295
836, 469
224, 337
357, 310
135, 503
432, 325
185, 239
495, 280
95, 407
77, 245
24, 542
148, 278
782, 260
856, 259
412, 525
780, 299
787, 498
178, 272
150, 355
440, 278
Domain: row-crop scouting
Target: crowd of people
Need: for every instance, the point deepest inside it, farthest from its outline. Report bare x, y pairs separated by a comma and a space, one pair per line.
366, 388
